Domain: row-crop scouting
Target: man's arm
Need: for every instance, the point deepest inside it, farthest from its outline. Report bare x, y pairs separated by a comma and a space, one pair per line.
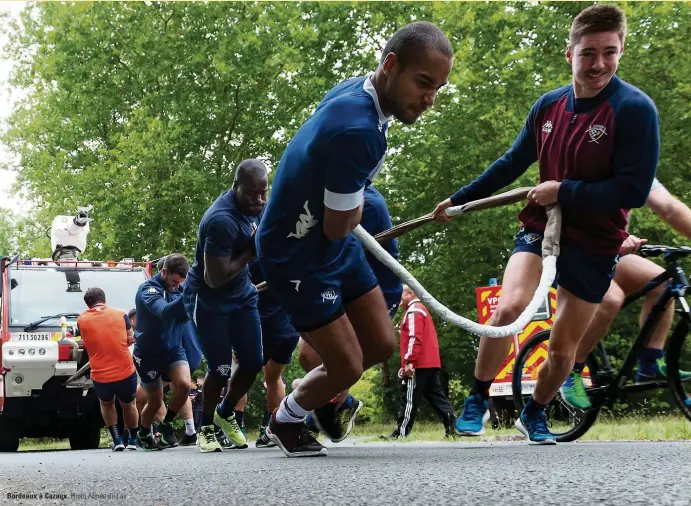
219, 264
637, 149
152, 298
504, 171
128, 329
350, 158
670, 210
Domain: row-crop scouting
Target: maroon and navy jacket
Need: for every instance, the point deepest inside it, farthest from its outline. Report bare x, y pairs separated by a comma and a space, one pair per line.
604, 150
419, 345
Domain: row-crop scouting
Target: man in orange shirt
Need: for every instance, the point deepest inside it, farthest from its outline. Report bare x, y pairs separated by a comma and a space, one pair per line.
106, 333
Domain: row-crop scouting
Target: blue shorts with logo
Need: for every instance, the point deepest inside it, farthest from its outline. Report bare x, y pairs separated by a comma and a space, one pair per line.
152, 367
279, 337
315, 298
125, 389
586, 275
222, 332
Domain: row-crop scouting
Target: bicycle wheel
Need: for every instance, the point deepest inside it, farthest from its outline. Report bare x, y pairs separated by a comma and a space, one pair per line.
679, 365
568, 423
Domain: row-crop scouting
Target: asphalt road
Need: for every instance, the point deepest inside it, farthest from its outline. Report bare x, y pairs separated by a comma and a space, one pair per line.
360, 473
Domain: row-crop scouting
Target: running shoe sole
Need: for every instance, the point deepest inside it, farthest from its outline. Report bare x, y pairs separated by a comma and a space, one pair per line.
351, 424
323, 451
485, 419
519, 425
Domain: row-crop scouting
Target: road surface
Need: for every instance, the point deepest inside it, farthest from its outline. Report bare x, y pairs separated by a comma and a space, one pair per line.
506, 473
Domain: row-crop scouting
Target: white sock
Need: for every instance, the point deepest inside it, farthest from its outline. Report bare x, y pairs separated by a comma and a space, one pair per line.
189, 427
290, 411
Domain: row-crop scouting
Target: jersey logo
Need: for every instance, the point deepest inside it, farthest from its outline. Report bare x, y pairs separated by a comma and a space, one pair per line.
152, 374
152, 290
224, 369
547, 127
304, 224
329, 295
297, 284
531, 237
137, 359
596, 132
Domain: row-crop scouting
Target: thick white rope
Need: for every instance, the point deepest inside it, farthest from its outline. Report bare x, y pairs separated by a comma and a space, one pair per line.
550, 251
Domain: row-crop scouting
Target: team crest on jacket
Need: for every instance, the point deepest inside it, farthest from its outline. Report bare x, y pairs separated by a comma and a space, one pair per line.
596, 132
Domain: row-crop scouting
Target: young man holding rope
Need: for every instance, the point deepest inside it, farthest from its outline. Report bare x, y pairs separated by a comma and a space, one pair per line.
597, 143
337, 417
313, 263
631, 274
222, 301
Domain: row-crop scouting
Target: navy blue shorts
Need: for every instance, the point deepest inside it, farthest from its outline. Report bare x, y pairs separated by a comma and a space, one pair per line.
125, 389
152, 367
279, 338
221, 334
586, 275
315, 298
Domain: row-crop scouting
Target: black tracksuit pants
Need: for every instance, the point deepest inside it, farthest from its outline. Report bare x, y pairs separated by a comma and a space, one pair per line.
425, 383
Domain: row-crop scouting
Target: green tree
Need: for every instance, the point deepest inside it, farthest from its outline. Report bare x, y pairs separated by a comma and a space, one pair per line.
143, 111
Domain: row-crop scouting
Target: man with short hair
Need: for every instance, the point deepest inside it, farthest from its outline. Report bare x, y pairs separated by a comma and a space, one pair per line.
597, 142
158, 349
314, 265
632, 273
375, 219
222, 301
194, 360
420, 371
106, 333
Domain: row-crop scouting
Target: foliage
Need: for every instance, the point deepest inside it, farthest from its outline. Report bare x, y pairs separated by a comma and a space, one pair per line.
144, 110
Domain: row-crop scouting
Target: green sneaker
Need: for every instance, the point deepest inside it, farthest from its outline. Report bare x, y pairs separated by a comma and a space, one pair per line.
660, 372
573, 391
231, 429
206, 440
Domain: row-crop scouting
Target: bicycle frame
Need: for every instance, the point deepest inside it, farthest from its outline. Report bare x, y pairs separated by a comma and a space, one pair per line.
677, 283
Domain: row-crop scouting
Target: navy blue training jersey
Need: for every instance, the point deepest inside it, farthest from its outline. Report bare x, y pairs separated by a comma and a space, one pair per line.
327, 164
603, 149
375, 219
224, 231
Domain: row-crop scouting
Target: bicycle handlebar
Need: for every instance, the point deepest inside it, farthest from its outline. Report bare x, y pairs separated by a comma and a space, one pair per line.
655, 250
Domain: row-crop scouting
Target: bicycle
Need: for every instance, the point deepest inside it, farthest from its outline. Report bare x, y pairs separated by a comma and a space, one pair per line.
604, 385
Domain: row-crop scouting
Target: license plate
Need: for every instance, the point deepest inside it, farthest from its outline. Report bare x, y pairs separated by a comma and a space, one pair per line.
30, 336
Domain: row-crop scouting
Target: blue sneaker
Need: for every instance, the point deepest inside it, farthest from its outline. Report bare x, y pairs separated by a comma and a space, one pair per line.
535, 428
474, 417
118, 445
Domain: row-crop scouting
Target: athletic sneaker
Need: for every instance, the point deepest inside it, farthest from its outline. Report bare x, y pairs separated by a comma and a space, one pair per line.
189, 440
207, 442
294, 439
226, 443
263, 440
535, 428
474, 417
147, 443
231, 429
168, 438
659, 372
328, 422
118, 445
131, 444
573, 391
346, 419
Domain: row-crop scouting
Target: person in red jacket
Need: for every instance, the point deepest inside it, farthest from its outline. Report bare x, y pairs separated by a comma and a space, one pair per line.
420, 367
